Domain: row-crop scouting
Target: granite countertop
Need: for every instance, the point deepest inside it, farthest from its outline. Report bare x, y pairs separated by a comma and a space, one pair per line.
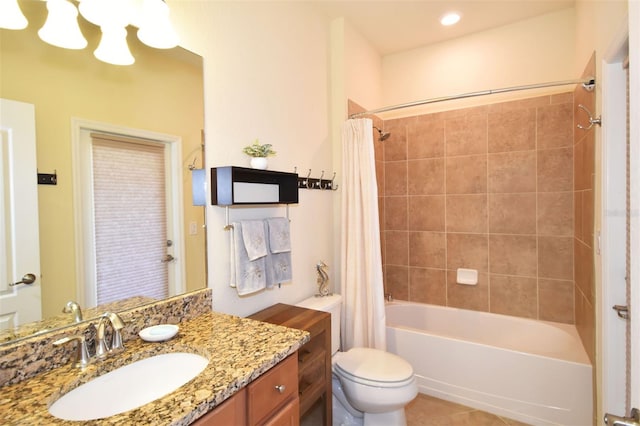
239, 351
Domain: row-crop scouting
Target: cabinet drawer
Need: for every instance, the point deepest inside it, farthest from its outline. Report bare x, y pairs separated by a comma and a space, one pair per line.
272, 390
231, 412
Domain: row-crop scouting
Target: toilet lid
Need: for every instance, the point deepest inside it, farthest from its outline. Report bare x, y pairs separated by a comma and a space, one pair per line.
374, 365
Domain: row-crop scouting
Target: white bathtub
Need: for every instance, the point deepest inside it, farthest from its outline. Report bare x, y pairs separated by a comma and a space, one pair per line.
532, 371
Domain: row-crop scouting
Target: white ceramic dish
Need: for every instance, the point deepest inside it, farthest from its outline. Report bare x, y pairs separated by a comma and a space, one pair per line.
158, 333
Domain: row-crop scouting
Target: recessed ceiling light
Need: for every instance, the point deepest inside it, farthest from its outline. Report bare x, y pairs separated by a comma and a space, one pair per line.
450, 18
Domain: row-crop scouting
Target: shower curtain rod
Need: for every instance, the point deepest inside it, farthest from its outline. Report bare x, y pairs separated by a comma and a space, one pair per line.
587, 83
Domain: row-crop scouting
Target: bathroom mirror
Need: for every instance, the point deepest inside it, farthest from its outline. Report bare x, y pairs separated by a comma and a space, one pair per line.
162, 92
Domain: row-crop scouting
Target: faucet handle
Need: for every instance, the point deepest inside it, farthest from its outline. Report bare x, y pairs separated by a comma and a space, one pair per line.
82, 353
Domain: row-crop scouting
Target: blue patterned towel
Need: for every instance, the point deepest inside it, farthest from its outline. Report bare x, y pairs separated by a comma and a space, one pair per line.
279, 237
247, 276
278, 264
253, 235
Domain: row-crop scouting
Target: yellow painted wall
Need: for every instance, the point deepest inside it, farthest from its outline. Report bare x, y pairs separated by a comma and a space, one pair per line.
162, 92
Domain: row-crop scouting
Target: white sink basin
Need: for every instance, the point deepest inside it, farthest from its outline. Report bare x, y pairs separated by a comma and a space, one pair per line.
129, 387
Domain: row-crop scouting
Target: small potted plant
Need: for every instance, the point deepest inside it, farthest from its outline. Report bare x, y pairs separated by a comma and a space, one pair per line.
259, 154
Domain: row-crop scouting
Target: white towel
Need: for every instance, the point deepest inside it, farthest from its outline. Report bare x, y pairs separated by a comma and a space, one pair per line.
247, 276
278, 265
253, 235
279, 237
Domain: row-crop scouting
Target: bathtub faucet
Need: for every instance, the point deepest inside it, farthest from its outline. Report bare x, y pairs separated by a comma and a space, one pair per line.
388, 297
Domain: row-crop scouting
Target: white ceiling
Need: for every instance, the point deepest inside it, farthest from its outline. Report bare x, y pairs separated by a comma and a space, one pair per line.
395, 26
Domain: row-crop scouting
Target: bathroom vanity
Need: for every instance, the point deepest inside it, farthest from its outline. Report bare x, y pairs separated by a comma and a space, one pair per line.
252, 372
314, 358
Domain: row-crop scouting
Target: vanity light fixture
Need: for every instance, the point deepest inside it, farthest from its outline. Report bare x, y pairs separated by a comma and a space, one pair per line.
450, 19
11, 17
61, 29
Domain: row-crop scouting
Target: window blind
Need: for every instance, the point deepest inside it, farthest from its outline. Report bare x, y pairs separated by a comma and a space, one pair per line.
130, 218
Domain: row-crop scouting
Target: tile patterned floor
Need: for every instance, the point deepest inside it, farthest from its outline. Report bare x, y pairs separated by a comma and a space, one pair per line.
428, 411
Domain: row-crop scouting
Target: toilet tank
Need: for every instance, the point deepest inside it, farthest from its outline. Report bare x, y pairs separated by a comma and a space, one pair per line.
331, 304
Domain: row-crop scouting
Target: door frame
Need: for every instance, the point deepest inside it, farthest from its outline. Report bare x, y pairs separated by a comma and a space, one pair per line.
634, 111
611, 329
83, 203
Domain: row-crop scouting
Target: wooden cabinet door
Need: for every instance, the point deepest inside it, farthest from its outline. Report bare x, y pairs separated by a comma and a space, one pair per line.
288, 416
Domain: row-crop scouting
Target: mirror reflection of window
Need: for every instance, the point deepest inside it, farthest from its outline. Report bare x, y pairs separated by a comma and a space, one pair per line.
130, 219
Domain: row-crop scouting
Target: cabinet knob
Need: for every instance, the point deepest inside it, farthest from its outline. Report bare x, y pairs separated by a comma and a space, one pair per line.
280, 388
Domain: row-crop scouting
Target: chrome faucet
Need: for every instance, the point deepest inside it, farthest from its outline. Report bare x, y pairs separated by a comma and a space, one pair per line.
73, 308
117, 324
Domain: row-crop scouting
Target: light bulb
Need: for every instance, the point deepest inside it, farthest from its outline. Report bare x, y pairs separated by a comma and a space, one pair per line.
155, 27
113, 47
11, 17
450, 19
115, 13
61, 27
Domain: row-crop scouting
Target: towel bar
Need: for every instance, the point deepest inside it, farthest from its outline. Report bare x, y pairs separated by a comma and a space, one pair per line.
228, 226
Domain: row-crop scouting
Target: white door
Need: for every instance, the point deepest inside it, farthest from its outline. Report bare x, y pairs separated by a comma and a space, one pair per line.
19, 241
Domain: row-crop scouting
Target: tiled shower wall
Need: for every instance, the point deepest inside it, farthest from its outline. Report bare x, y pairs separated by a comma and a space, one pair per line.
489, 188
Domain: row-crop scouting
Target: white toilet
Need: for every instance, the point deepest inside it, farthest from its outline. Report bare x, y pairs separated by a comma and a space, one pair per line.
370, 386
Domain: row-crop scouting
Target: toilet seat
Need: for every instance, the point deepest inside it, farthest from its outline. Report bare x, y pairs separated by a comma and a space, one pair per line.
373, 367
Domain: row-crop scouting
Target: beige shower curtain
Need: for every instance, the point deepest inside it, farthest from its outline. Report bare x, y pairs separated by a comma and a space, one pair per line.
363, 313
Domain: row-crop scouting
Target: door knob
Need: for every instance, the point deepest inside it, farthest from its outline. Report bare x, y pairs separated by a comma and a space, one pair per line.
632, 420
168, 258
26, 279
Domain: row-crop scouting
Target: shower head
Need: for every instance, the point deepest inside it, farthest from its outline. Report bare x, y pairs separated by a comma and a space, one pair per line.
383, 135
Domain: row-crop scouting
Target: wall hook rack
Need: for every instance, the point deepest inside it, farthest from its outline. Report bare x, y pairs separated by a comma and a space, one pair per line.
592, 120
307, 182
